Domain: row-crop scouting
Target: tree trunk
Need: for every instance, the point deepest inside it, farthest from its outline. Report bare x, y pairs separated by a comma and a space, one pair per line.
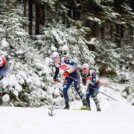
30, 16
117, 35
112, 31
76, 14
43, 15
121, 31
25, 6
40, 16
103, 30
70, 13
131, 28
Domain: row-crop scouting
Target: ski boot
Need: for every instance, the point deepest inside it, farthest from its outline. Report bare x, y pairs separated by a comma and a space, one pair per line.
67, 105
84, 107
97, 104
98, 109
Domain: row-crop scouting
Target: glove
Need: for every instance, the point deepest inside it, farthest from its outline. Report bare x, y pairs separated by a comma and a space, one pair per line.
56, 80
3, 61
89, 78
97, 81
65, 74
83, 84
105, 84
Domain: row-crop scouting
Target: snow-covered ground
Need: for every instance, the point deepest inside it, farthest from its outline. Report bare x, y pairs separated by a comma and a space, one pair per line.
116, 117
37, 121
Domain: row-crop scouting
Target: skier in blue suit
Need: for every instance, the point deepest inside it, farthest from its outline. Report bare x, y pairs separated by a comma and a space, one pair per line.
89, 77
4, 66
71, 74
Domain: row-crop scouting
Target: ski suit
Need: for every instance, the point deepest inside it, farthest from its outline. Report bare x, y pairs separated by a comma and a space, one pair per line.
93, 88
4, 67
70, 66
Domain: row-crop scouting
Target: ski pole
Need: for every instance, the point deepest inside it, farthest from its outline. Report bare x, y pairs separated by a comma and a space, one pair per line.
106, 85
75, 79
92, 88
107, 96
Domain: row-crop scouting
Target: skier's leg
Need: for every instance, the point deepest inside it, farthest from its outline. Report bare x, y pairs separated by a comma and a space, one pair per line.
3, 70
66, 85
77, 88
94, 96
88, 99
97, 104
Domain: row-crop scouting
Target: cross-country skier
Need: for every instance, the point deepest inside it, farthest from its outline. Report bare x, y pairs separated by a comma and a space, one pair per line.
4, 66
89, 77
69, 68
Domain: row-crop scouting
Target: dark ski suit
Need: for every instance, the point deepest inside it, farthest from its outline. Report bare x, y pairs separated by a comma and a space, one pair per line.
92, 89
66, 64
4, 68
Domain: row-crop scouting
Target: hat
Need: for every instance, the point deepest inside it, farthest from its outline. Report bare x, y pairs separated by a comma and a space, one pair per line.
54, 54
85, 66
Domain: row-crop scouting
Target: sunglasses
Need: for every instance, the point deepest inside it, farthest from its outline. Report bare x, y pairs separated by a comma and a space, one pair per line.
54, 58
84, 68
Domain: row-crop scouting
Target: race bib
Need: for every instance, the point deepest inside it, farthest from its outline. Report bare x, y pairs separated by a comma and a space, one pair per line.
63, 67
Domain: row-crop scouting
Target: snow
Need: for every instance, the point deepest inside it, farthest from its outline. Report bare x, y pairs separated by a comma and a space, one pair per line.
53, 48
37, 121
93, 41
65, 47
95, 19
115, 15
116, 117
4, 43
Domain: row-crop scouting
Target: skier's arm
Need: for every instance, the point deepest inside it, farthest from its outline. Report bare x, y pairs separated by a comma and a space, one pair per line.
2, 61
56, 73
83, 79
93, 79
73, 66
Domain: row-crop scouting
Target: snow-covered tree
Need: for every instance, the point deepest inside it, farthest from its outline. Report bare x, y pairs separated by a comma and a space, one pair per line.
62, 39
73, 28
24, 77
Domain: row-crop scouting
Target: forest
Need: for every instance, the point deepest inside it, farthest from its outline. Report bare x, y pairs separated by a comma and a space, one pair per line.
97, 32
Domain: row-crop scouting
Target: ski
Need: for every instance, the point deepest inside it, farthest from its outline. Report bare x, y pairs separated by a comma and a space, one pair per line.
82, 108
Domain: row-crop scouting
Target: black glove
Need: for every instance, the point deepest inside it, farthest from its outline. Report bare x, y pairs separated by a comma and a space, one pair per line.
56, 80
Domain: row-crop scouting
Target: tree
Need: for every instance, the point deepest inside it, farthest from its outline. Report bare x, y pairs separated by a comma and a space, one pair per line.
118, 3
30, 16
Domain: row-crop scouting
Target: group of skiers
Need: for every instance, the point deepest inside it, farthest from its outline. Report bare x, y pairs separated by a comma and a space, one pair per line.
72, 74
